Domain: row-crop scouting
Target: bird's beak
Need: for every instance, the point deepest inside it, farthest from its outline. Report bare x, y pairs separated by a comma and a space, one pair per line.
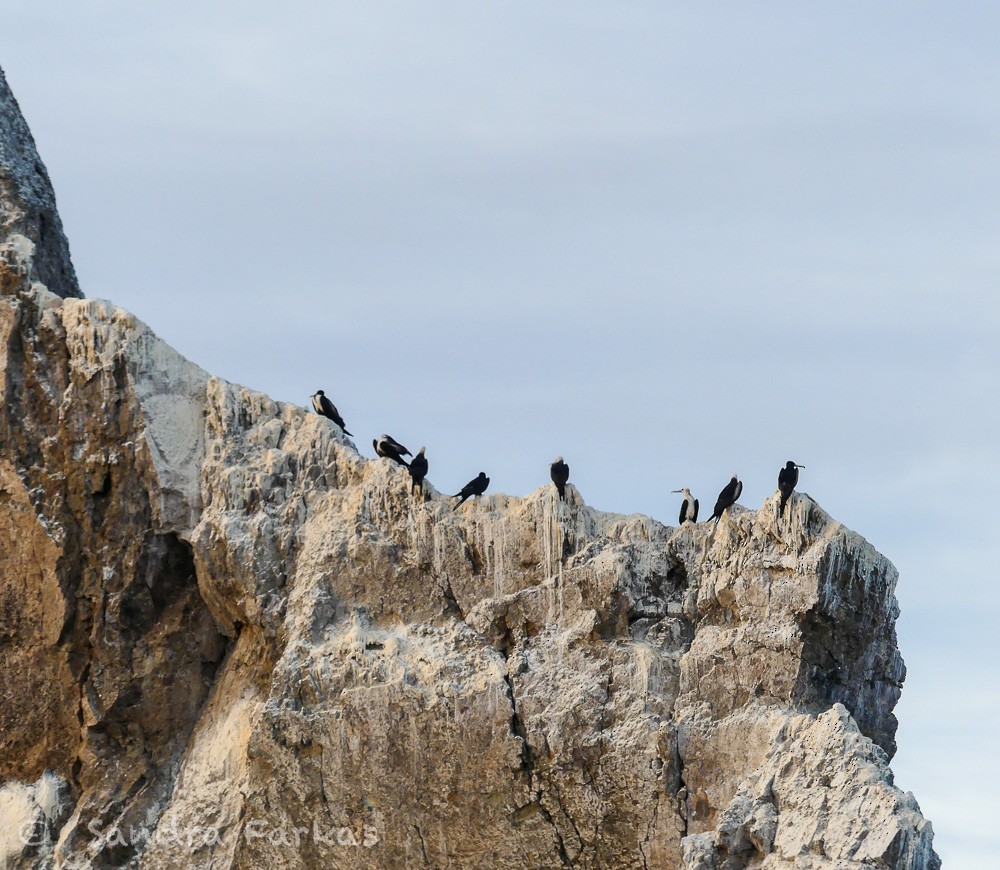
675, 490
800, 466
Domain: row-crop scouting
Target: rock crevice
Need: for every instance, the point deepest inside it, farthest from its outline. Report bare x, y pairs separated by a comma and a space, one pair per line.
229, 640
31, 230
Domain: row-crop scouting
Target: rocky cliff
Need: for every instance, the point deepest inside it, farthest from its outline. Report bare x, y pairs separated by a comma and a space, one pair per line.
229, 640
28, 215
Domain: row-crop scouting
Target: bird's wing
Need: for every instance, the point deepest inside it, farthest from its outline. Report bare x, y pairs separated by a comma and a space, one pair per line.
694, 516
739, 491
399, 448
680, 518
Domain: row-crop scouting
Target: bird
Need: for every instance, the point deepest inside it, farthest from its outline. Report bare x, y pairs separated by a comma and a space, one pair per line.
559, 472
689, 507
727, 498
390, 448
788, 477
418, 469
325, 408
476, 486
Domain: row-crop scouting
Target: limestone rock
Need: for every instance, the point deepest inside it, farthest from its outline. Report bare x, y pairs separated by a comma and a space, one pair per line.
31, 232
229, 640
240, 643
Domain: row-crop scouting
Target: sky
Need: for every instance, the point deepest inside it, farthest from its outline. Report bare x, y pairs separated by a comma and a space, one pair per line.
667, 241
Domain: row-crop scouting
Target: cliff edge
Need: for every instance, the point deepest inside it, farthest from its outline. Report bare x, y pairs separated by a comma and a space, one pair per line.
229, 640
29, 222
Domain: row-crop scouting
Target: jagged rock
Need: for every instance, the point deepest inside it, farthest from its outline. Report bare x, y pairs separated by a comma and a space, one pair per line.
231, 641
31, 232
824, 793
30, 819
219, 618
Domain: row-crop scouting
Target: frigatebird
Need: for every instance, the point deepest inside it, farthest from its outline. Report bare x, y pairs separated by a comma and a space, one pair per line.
476, 486
325, 408
418, 469
788, 478
390, 448
689, 508
559, 472
727, 498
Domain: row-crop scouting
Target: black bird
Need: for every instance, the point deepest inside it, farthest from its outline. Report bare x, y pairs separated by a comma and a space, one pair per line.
325, 408
418, 470
788, 477
689, 507
559, 472
476, 486
727, 498
390, 448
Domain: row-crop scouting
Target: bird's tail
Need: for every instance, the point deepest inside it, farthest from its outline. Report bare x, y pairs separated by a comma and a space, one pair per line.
347, 433
781, 505
562, 491
461, 501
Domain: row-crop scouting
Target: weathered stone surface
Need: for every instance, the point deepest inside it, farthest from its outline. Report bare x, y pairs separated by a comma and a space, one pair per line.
240, 642
108, 649
228, 640
30, 227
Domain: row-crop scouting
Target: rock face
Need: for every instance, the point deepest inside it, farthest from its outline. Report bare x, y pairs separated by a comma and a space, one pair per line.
229, 640
28, 217
224, 631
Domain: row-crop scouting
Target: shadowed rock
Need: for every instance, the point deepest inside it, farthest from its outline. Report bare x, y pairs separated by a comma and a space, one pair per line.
31, 232
231, 639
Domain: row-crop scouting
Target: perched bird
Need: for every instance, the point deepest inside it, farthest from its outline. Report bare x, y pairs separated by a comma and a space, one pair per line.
689, 507
788, 477
390, 448
418, 469
476, 486
559, 472
727, 498
325, 408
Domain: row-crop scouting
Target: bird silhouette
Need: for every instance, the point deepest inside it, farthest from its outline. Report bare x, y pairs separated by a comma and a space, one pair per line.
390, 448
727, 498
418, 470
476, 486
325, 408
559, 472
788, 478
689, 507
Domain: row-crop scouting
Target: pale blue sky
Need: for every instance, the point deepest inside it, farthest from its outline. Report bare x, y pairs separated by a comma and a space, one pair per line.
667, 241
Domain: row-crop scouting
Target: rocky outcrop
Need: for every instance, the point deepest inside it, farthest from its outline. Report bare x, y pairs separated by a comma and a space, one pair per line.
28, 217
229, 640
229, 637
